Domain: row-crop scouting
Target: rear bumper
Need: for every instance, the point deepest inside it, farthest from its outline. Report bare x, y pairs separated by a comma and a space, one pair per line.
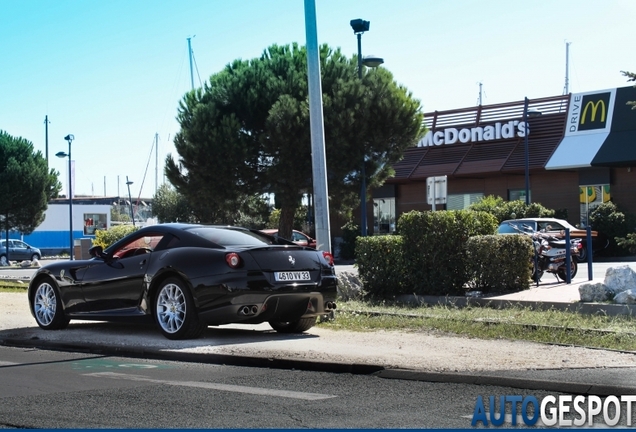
257, 308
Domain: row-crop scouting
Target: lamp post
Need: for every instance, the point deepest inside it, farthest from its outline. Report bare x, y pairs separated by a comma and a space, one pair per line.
70, 139
526, 150
359, 26
132, 215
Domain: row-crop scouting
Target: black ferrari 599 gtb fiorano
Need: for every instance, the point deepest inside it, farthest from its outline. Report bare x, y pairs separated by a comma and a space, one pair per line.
187, 277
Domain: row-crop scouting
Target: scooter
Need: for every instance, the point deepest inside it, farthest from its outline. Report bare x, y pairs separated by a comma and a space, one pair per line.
550, 254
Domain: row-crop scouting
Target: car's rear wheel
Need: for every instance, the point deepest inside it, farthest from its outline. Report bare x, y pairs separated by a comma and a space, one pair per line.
299, 326
47, 306
174, 311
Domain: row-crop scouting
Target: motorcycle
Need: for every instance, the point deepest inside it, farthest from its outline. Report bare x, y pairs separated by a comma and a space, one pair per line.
550, 254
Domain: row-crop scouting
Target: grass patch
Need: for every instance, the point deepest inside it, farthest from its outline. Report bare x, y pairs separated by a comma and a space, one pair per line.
514, 323
13, 286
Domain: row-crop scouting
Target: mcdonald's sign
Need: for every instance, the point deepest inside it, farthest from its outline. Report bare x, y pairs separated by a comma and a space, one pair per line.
594, 111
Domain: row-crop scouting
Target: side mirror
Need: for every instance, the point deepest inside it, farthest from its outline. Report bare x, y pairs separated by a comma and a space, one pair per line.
97, 252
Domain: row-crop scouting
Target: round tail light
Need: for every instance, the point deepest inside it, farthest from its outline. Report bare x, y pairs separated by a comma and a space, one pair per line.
233, 260
326, 255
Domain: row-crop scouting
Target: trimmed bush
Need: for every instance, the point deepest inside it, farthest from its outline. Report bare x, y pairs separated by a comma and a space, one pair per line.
381, 266
609, 220
499, 263
435, 248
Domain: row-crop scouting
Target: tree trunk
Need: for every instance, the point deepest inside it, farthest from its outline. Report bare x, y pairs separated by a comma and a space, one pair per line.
286, 222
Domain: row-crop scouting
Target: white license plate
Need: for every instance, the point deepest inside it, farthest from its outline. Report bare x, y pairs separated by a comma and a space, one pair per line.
292, 276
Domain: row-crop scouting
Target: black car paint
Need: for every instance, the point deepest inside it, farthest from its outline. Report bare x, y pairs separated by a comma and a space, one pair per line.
106, 288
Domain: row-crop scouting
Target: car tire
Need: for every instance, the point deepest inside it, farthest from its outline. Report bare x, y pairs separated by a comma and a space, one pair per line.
174, 311
47, 306
299, 326
35, 257
561, 272
3, 260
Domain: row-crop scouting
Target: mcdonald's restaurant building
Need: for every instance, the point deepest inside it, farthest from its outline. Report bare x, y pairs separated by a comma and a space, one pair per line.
576, 151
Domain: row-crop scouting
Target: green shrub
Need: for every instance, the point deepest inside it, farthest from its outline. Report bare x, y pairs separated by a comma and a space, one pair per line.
434, 248
105, 238
499, 263
350, 231
609, 220
381, 266
503, 210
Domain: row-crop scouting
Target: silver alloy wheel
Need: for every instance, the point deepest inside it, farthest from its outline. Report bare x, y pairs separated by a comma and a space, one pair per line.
171, 308
3, 260
44, 304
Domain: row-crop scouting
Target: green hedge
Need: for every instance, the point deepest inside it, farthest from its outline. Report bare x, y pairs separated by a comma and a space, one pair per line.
499, 263
435, 248
381, 266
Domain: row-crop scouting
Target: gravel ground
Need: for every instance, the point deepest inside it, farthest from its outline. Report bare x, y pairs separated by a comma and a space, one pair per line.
422, 351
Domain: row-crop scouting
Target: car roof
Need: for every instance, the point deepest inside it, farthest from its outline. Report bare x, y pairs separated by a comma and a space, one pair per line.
541, 219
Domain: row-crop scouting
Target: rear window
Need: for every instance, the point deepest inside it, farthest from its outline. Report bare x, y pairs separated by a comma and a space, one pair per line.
230, 237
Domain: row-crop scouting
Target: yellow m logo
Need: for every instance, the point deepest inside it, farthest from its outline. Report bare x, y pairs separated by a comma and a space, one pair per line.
595, 106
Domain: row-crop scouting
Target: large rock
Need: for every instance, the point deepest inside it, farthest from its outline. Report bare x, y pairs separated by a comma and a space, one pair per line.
626, 297
621, 278
595, 292
349, 286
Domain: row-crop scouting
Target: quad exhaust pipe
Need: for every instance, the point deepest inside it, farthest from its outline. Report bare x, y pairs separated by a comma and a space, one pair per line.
248, 310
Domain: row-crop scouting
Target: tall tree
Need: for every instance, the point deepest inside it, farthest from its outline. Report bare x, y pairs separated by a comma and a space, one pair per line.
631, 76
26, 185
247, 131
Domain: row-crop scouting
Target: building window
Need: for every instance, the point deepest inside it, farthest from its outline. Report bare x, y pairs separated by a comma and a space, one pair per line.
383, 215
591, 197
462, 201
518, 194
93, 222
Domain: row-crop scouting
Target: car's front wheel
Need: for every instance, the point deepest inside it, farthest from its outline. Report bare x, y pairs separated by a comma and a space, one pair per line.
3, 260
174, 311
299, 326
35, 257
47, 306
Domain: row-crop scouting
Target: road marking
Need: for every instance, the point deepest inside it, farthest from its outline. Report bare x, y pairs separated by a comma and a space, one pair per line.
214, 386
7, 363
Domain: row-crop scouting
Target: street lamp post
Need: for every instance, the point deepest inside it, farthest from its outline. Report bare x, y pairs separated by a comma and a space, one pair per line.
526, 150
132, 215
70, 139
359, 26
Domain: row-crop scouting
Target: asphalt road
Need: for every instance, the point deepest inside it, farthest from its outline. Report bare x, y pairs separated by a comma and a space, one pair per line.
48, 389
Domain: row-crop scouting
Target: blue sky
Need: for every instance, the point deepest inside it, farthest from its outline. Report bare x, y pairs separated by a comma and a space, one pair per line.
112, 72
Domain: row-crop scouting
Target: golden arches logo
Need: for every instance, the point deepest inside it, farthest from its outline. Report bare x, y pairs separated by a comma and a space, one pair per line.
594, 106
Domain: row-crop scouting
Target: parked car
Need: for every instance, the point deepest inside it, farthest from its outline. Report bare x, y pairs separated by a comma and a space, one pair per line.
557, 228
186, 277
298, 237
18, 251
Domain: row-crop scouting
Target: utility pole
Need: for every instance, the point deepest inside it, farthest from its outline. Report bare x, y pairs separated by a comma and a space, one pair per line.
480, 100
156, 162
46, 138
566, 88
